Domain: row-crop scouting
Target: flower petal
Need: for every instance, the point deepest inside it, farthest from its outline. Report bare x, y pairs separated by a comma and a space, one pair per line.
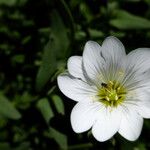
83, 116
76, 89
139, 59
92, 60
113, 50
143, 105
140, 83
131, 125
75, 67
107, 124
113, 53
144, 110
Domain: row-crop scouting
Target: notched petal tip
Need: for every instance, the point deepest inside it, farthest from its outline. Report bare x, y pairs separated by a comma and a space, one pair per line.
91, 46
74, 59
107, 125
81, 117
74, 65
131, 126
91, 43
112, 40
113, 50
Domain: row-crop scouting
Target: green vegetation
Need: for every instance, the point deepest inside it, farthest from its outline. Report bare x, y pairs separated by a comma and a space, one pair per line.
36, 39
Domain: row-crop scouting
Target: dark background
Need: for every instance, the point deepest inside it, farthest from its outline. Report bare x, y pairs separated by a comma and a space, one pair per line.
36, 39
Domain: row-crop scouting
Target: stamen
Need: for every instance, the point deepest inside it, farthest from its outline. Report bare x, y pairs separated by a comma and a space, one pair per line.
112, 93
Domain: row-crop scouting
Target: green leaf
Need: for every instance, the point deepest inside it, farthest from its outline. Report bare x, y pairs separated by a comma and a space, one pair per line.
5, 146
79, 35
126, 21
45, 109
7, 109
95, 33
22, 146
68, 16
58, 104
141, 146
60, 138
59, 34
18, 59
56, 48
86, 11
48, 66
8, 2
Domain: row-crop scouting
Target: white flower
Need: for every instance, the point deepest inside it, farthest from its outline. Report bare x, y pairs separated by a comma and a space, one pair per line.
112, 89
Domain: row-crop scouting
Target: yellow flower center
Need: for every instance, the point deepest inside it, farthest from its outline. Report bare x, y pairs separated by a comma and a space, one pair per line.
112, 93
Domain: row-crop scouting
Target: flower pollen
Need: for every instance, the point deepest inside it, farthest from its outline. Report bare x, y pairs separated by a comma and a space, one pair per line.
112, 94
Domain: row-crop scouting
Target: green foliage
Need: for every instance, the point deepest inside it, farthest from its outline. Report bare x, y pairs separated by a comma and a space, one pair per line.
48, 66
7, 109
37, 38
58, 104
8, 2
6, 146
128, 21
45, 108
60, 138
55, 49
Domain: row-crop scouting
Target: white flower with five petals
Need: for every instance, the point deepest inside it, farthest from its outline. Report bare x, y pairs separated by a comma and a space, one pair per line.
112, 89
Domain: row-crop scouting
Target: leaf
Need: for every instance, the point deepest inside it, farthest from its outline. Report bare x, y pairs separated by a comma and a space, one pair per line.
5, 146
68, 16
126, 21
95, 33
45, 109
86, 12
22, 146
58, 104
60, 138
79, 35
141, 146
18, 59
59, 35
55, 49
8, 2
48, 66
7, 109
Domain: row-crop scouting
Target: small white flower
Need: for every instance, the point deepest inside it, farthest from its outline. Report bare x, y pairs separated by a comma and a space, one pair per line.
112, 89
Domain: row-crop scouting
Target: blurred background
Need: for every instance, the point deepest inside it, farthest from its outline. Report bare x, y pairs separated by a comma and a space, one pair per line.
36, 39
